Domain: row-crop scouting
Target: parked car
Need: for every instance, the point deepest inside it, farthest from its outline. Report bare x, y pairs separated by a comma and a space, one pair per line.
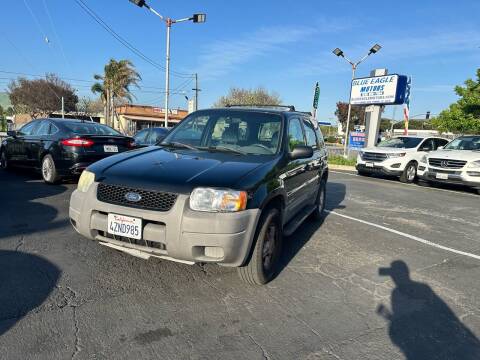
223, 187
398, 156
150, 136
60, 147
458, 163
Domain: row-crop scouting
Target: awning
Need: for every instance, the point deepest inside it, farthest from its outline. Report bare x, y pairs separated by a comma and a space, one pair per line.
149, 118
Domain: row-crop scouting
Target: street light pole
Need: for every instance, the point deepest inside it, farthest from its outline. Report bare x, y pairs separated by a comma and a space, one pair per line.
167, 72
196, 18
338, 52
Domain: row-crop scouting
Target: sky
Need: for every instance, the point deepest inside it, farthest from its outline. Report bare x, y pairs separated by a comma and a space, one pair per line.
283, 46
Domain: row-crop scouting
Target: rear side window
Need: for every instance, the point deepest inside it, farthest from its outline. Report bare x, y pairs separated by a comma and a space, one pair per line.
310, 134
89, 128
44, 129
295, 134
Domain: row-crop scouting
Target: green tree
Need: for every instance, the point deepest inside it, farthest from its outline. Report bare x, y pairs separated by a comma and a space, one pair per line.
357, 115
258, 96
40, 97
462, 116
114, 88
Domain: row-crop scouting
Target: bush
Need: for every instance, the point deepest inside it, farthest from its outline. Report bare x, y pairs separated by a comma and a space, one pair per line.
331, 139
340, 160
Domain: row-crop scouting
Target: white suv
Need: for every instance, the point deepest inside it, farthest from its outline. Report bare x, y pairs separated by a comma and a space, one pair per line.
398, 156
458, 162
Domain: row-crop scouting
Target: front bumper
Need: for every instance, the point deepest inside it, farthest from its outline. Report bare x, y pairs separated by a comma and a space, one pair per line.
179, 234
390, 166
378, 169
460, 177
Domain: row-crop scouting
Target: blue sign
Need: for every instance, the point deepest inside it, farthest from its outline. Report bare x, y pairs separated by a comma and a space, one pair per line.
356, 140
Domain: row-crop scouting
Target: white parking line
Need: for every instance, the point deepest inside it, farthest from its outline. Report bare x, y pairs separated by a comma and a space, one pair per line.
400, 183
412, 237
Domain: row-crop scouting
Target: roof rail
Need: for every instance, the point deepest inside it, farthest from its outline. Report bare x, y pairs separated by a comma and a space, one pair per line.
285, 107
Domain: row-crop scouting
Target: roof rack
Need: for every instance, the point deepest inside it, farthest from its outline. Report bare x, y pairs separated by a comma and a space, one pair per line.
278, 107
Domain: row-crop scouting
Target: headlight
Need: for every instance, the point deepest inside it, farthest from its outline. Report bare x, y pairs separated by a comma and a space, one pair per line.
86, 179
474, 164
394, 155
424, 159
218, 200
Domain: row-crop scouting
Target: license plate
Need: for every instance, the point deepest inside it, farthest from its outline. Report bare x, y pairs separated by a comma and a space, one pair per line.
125, 226
442, 176
369, 164
110, 148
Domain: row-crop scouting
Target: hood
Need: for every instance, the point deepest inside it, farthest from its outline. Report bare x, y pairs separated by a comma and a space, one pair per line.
180, 171
387, 150
467, 155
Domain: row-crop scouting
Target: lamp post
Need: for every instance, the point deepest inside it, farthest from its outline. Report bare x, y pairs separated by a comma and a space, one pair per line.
338, 52
196, 18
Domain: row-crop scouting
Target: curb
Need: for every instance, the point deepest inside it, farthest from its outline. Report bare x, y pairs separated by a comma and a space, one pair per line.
342, 167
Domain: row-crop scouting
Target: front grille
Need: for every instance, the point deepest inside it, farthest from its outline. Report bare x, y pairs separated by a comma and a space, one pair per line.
372, 156
447, 163
151, 200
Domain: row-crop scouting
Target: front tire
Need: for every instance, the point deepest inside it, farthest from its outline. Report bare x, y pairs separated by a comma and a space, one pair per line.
262, 264
410, 173
49, 170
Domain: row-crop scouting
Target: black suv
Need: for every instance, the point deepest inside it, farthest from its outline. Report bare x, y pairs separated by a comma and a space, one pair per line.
224, 186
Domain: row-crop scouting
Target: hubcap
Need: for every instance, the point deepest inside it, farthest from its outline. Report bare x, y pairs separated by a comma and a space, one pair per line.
411, 172
321, 199
269, 243
47, 169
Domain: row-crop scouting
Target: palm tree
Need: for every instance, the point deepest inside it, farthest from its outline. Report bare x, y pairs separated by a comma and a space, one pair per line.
115, 85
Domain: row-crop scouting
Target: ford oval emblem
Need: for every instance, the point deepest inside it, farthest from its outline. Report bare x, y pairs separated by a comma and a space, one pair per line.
133, 197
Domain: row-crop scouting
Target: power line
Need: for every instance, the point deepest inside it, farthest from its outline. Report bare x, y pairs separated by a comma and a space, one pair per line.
124, 42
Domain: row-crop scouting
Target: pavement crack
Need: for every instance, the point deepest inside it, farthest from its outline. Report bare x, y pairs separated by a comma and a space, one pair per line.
70, 296
264, 352
20, 243
77, 338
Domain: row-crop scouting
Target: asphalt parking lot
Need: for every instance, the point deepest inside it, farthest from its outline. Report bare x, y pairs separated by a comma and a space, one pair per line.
391, 273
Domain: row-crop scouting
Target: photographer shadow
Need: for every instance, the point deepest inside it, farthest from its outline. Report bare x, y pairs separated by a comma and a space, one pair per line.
421, 324
26, 281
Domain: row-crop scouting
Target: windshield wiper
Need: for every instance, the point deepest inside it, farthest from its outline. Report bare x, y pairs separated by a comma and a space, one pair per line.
226, 149
175, 144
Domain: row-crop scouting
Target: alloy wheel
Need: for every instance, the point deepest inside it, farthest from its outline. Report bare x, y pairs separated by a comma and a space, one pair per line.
411, 172
47, 169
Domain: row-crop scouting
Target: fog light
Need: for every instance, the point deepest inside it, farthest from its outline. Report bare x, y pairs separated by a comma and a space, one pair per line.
473, 173
396, 166
214, 252
421, 168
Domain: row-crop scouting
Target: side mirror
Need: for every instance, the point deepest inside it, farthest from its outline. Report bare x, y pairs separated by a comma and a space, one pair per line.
301, 152
440, 147
12, 133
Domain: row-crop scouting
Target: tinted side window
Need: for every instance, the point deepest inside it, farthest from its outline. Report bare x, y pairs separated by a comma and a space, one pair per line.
141, 136
43, 129
310, 134
440, 142
29, 128
295, 134
427, 144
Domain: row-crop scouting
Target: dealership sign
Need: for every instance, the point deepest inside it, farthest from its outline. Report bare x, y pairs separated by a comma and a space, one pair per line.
379, 90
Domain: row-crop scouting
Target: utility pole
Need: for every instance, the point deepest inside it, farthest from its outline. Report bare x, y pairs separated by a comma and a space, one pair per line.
196, 89
63, 109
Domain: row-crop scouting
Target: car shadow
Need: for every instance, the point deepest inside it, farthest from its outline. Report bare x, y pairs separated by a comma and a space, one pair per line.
421, 324
26, 280
295, 242
20, 211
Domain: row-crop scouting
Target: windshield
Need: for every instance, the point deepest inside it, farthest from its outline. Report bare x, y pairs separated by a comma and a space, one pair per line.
242, 132
90, 128
401, 142
464, 143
